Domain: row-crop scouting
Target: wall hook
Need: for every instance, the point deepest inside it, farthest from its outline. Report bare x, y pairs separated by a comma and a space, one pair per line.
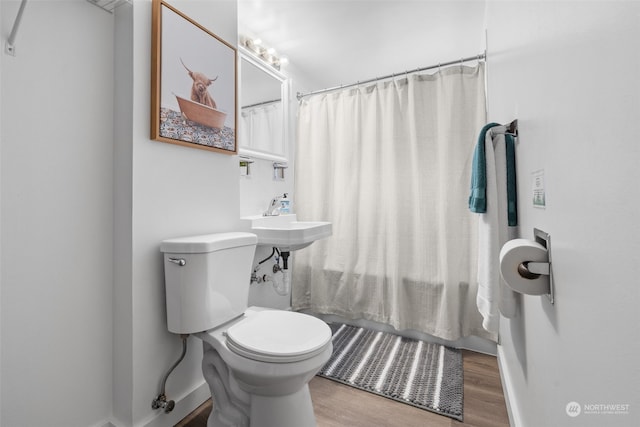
278, 170
9, 46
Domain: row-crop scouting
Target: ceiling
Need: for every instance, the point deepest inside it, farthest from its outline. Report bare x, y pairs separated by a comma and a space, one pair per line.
334, 42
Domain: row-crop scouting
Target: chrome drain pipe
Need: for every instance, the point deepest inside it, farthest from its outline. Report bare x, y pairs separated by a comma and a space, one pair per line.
161, 402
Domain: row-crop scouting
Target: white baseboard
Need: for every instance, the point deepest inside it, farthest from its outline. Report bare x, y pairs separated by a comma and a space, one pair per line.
515, 419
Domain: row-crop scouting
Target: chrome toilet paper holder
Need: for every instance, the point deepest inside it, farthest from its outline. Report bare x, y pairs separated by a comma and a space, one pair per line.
533, 270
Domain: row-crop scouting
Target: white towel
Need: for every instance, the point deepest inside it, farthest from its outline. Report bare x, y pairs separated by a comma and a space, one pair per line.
494, 296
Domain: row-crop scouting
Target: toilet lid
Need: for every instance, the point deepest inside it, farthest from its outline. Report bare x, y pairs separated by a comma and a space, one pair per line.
278, 336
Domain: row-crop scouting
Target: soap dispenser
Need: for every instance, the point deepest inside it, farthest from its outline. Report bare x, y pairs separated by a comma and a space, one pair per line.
285, 204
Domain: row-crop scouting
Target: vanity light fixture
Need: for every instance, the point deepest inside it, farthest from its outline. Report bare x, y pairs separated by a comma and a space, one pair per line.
267, 54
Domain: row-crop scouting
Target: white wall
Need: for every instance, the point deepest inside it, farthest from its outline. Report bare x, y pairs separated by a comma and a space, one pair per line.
83, 334
569, 72
86, 329
173, 191
57, 222
122, 393
1, 92
257, 190
84, 207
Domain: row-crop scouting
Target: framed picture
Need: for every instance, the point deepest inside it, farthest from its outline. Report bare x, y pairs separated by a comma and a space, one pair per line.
193, 83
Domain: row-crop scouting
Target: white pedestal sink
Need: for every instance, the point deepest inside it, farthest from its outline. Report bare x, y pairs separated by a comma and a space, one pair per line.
285, 232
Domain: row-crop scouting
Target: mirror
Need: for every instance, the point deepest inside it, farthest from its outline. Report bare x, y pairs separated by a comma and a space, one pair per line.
263, 114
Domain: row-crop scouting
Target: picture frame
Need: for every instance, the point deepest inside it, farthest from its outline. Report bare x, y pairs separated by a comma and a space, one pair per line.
193, 83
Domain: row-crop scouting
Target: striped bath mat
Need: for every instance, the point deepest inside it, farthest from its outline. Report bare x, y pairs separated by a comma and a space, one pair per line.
425, 375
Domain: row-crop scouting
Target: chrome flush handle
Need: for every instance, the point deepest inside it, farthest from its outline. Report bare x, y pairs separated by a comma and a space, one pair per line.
180, 261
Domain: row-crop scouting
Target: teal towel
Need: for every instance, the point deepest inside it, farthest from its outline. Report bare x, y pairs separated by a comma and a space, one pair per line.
478, 197
512, 195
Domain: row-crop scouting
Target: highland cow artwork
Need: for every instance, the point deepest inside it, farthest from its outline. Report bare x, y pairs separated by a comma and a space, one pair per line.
193, 83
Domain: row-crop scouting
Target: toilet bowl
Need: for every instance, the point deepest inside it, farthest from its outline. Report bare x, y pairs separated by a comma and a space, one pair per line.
256, 361
269, 357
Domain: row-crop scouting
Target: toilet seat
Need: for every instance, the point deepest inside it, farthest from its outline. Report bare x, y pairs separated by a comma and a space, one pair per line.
278, 336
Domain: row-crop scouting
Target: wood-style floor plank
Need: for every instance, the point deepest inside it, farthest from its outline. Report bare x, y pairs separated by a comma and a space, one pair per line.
338, 405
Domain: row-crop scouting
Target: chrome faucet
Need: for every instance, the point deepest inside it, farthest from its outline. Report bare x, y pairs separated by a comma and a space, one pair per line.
274, 207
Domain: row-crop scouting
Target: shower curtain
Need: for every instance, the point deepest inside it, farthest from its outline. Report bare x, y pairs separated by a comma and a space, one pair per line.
261, 127
389, 165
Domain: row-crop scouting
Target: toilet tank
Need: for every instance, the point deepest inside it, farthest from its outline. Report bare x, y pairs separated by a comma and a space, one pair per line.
207, 279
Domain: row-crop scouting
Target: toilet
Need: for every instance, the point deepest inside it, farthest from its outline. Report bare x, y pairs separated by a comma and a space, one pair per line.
257, 361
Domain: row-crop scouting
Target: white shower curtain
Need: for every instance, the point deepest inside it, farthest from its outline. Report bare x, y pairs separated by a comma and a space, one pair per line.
389, 165
261, 128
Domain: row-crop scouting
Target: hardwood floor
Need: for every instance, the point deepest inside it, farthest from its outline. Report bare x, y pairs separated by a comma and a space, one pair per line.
338, 405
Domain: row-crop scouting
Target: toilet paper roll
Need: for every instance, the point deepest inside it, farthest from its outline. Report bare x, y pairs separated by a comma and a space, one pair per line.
512, 255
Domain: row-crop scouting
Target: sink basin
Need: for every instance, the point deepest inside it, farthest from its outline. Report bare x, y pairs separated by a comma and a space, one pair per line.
285, 232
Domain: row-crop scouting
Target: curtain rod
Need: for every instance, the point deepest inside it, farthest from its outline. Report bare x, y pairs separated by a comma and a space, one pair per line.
478, 57
273, 101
